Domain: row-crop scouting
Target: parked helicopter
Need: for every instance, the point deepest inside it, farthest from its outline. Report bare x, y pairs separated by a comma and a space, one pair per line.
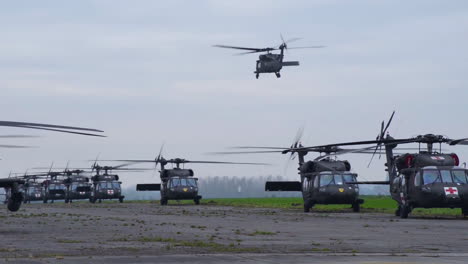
324, 180
32, 189
427, 179
11, 184
177, 183
78, 185
269, 62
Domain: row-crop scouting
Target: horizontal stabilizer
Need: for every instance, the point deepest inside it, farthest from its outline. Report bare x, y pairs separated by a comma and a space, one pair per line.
371, 182
290, 63
284, 186
8, 183
148, 187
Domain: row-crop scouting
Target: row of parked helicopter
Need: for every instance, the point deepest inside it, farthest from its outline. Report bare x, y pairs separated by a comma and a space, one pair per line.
425, 179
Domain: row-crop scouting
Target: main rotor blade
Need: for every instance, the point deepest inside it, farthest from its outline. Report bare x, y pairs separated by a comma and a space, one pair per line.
226, 162
252, 147
236, 47
18, 136
388, 123
462, 141
342, 152
245, 152
61, 130
291, 40
27, 124
16, 146
308, 47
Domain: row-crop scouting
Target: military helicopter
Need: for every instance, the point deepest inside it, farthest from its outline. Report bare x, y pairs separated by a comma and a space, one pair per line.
269, 62
177, 183
427, 179
324, 180
78, 185
33, 190
12, 185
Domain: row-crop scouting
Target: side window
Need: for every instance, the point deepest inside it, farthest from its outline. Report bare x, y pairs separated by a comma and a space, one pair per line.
316, 182
304, 184
417, 179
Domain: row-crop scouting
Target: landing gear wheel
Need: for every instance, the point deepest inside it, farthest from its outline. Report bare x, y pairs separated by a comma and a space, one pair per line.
163, 202
67, 201
398, 211
307, 205
278, 75
356, 207
197, 201
121, 199
405, 210
100, 201
92, 200
44, 201
465, 211
14, 205
257, 75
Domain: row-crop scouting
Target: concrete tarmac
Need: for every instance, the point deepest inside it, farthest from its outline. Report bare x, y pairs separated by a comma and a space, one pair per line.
146, 233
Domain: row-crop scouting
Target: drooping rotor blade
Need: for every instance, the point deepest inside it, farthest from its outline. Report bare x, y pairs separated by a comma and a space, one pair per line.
389, 122
28, 124
252, 147
10, 182
462, 141
18, 136
61, 130
16, 146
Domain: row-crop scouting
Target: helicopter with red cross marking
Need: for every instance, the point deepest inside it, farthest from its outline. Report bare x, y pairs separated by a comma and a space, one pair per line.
427, 179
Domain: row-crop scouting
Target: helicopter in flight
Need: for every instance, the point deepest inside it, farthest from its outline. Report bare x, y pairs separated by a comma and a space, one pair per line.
177, 183
270, 62
12, 185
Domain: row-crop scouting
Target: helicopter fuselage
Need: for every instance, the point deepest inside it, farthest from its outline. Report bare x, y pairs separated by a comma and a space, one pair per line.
272, 63
323, 182
106, 187
78, 188
54, 190
33, 191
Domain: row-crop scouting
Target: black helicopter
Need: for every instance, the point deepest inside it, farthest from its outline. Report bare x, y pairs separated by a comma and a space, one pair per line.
32, 189
324, 180
11, 184
177, 183
78, 185
427, 179
269, 62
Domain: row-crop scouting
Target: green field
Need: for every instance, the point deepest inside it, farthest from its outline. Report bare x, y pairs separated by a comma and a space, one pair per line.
372, 204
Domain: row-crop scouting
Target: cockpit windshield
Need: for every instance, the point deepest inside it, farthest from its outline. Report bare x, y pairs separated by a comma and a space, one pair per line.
109, 185
190, 182
57, 187
336, 179
34, 189
444, 176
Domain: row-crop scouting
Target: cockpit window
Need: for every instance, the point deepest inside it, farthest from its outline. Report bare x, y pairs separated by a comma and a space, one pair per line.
175, 182
349, 178
431, 176
326, 179
459, 176
446, 176
338, 179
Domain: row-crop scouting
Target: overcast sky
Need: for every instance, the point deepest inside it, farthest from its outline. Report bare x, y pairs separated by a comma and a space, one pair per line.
146, 73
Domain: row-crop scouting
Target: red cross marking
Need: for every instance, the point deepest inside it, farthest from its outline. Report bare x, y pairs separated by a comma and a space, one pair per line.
451, 190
